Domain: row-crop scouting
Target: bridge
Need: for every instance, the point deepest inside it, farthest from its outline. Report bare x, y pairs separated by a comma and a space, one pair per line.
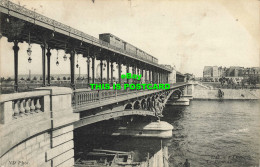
37, 127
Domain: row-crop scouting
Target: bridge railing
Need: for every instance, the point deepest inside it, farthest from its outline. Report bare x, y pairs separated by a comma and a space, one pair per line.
85, 96
20, 105
82, 97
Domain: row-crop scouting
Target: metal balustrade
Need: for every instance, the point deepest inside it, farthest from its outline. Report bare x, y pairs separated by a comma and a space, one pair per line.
82, 97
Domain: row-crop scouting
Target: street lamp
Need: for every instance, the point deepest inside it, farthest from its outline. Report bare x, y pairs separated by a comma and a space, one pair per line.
77, 61
65, 57
57, 62
29, 50
29, 59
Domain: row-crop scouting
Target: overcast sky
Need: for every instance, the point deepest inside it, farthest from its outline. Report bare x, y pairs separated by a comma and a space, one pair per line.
187, 33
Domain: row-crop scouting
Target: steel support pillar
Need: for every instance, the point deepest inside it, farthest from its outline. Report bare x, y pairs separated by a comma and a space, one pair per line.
16, 49
112, 70
127, 71
72, 69
48, 54
108, 70
88, 68
119, 72
43, 46
101, 71
93, 69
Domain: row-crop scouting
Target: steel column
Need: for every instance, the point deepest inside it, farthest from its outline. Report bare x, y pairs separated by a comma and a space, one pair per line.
119, 72
93, 69
48, 54
72, 69
108, 70
112, 70
101, 71
16, 49
127, 71
88, 68
43, 46
150, 72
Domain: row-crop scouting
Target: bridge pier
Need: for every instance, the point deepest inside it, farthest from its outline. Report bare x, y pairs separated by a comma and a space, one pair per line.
61, 134
188, 92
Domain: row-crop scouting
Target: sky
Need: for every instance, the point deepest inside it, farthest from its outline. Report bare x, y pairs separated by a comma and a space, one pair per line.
189, 34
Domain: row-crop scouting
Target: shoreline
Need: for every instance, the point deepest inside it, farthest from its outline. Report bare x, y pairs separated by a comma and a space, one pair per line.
202, 93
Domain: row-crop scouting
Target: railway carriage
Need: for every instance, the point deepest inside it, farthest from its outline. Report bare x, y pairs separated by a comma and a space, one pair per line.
120, 44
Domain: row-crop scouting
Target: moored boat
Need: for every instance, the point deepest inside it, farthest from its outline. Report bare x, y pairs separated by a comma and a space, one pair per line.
100, 157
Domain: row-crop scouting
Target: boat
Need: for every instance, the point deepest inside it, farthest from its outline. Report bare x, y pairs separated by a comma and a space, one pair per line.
101, 157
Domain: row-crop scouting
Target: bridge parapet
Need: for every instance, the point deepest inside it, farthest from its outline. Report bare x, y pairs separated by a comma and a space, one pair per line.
20, 105
23, 115
85, 99
36, 127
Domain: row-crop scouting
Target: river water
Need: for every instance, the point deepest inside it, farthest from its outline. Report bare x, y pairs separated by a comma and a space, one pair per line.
207, 133
215, 133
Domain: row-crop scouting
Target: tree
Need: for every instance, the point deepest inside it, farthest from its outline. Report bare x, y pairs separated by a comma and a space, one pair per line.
2, 79
22, 79
64, 78
68, 78
28, 79
9, 79
34, 78
58, 78
52, 78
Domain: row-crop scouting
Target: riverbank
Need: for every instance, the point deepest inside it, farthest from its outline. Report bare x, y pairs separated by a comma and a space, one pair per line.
232, 94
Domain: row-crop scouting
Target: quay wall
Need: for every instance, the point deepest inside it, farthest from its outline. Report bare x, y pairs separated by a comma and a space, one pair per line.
159, 159
232, 94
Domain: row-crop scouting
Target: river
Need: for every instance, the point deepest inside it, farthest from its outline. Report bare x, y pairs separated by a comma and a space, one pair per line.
215, 133
207, 133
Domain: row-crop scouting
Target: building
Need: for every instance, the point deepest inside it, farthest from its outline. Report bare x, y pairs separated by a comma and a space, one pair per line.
172, 75
189, 76
220, 71
207, 71
180, 77
213, 73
